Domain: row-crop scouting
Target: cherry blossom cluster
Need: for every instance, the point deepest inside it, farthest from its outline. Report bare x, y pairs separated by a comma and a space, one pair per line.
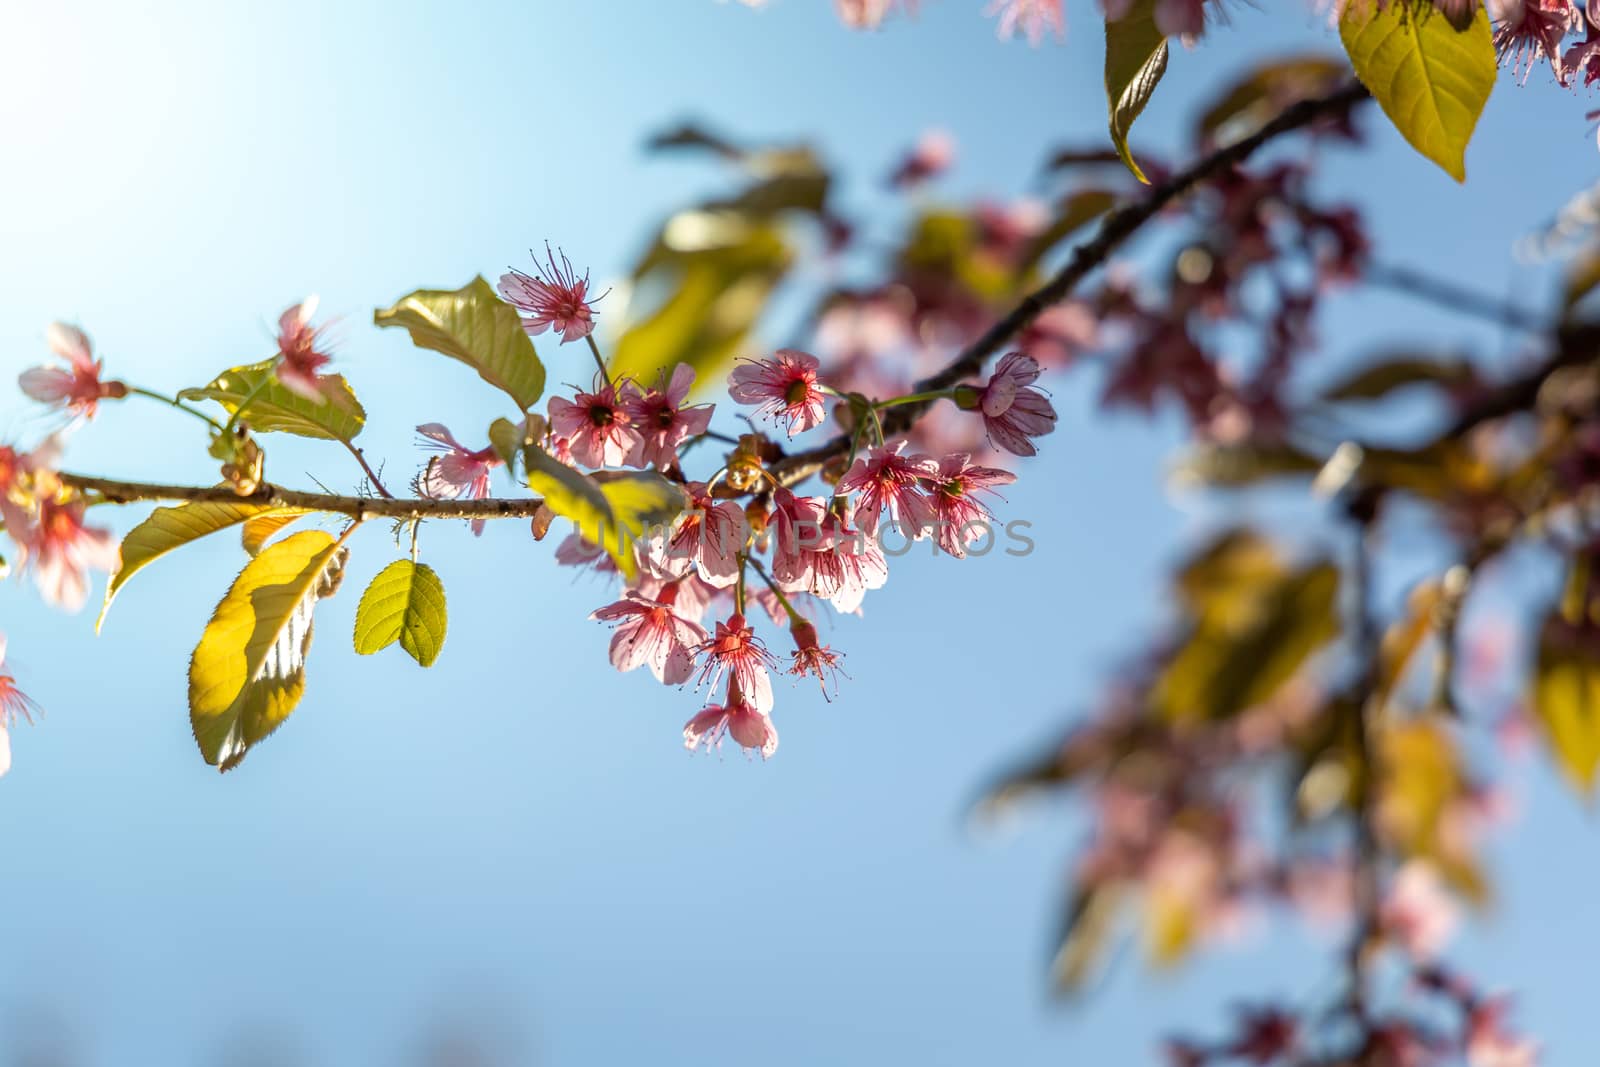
1443, 1020
1560, 34
44, 520
750, 545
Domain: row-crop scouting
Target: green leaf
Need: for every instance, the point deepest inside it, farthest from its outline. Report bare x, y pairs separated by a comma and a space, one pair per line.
1266, 92
1582, 276
705, 283
1566, 680
1254, 624
612, 510
1136, 58
1074, 212
505, 437
472, 324
270, 408
170, 528
1430, 79
404, 603
1241, 464
248, 672
1086, 930
1399, 371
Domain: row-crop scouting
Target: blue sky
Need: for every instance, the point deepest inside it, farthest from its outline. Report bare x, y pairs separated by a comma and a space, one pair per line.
513, 842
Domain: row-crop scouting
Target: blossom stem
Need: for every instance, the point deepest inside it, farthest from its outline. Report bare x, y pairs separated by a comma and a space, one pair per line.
915, 398
174, 402
372, 475
233, 420
599, 360
738, 589
794, 615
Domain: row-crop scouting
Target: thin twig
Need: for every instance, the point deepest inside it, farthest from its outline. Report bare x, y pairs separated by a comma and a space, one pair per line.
371, 474
1455, 297
1366, 855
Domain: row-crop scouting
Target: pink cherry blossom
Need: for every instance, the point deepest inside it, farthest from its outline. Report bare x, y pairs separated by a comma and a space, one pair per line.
751, 729
1526, 30
61, 550
708, 538
1265, 1035
1177, 18
929, 157
860, 565
77, 387
963, 518
1013, 411
1060, 332
804, 534
736, 651
18, 472
14, 703
812, 658
662, 421
457, 472
891, 483
1492, 1043
1584, 57
553, 295
1034, 18
869, 14
690, 597
652, 632
1418, 912
597, 427
784, 387
300, 361
577, 551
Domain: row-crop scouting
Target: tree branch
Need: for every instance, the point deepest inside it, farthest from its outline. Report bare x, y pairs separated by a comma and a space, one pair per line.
1453, 297
1115, 229
1576, 343
357, 507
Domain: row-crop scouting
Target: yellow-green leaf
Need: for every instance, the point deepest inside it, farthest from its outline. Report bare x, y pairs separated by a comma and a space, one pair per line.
506, 438
404, 603
248, 672
1566, 698
472, 324
1431, 79
612, 510
263, 528
1255, 623
1265, 92
270, 408
1582, 277
1136, 58
1090, 922
170, 528
704, 285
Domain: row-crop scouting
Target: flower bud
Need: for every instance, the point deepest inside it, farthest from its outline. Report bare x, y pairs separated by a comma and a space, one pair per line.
804, 634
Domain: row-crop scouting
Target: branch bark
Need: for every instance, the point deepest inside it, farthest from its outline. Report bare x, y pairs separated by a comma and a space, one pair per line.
357, 507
